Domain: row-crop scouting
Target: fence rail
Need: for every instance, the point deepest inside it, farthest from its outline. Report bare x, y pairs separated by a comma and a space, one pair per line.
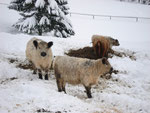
108, 16
4, 4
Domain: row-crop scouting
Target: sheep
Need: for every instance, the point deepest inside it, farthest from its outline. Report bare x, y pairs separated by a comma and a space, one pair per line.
39, 53
103, 44
83, 71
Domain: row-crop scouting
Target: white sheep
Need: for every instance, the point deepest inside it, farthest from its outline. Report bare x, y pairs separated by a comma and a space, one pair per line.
40, 54
79, 71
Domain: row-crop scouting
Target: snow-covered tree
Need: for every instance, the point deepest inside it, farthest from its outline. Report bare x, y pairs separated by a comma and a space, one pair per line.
41, 16
63, 5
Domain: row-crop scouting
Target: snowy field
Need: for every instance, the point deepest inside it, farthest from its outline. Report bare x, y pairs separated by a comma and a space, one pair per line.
126, 92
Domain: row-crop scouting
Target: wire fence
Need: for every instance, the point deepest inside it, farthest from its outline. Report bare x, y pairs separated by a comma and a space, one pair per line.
107, 16
4, 4
110, 16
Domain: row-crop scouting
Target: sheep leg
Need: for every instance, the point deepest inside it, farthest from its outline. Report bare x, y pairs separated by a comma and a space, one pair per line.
58, 85
34, 69
63, 86
40, 74
46, 75
88, 91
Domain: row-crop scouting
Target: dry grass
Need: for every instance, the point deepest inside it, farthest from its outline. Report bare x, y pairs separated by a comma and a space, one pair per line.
21, 64
86, 52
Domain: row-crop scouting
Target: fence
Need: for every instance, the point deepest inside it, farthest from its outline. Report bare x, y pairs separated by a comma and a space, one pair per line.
4, 4
108, 16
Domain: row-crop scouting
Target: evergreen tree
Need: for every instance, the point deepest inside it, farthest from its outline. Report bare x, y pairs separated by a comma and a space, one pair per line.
63, 5
41, 16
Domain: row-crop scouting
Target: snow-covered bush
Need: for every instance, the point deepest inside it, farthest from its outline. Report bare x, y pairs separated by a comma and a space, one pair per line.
41, 16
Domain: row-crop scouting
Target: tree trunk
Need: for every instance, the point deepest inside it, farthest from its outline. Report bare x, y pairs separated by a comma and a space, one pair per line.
40, 31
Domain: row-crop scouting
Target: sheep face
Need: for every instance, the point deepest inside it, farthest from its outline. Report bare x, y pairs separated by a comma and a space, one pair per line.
42, 48
113, 42
106, 67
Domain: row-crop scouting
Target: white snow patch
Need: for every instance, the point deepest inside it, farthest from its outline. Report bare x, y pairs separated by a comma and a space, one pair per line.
27, 24
44, 20
40, 3
28, 1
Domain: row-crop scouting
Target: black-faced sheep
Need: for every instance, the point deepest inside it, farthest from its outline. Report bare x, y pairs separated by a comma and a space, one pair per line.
103, 44
40, 54
79, 71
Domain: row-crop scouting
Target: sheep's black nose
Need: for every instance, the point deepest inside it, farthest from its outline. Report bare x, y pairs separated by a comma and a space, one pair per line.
43, 54
111, 69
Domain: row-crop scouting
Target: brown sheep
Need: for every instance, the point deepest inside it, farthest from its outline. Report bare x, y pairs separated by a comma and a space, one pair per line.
84, 71
103, 44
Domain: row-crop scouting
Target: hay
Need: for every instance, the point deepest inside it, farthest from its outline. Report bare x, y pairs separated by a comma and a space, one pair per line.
8, 80
21, 64
25, 66
86, 52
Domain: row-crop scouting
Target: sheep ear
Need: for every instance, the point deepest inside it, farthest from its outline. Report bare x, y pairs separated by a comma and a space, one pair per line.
50, 44
104, 60
35, 43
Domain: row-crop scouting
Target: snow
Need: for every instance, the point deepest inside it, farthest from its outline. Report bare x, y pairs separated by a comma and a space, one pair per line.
53, 4
27, 24
40, 3
28, 1
53, 7
126, 92
107, 7
44, 20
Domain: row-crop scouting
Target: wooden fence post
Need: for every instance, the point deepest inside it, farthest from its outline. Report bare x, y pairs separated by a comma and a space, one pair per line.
137, 19
93, 16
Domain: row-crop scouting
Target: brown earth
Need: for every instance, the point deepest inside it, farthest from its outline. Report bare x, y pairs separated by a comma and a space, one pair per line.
86, 52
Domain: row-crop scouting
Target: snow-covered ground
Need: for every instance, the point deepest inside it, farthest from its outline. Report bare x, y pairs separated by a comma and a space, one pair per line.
126, 92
